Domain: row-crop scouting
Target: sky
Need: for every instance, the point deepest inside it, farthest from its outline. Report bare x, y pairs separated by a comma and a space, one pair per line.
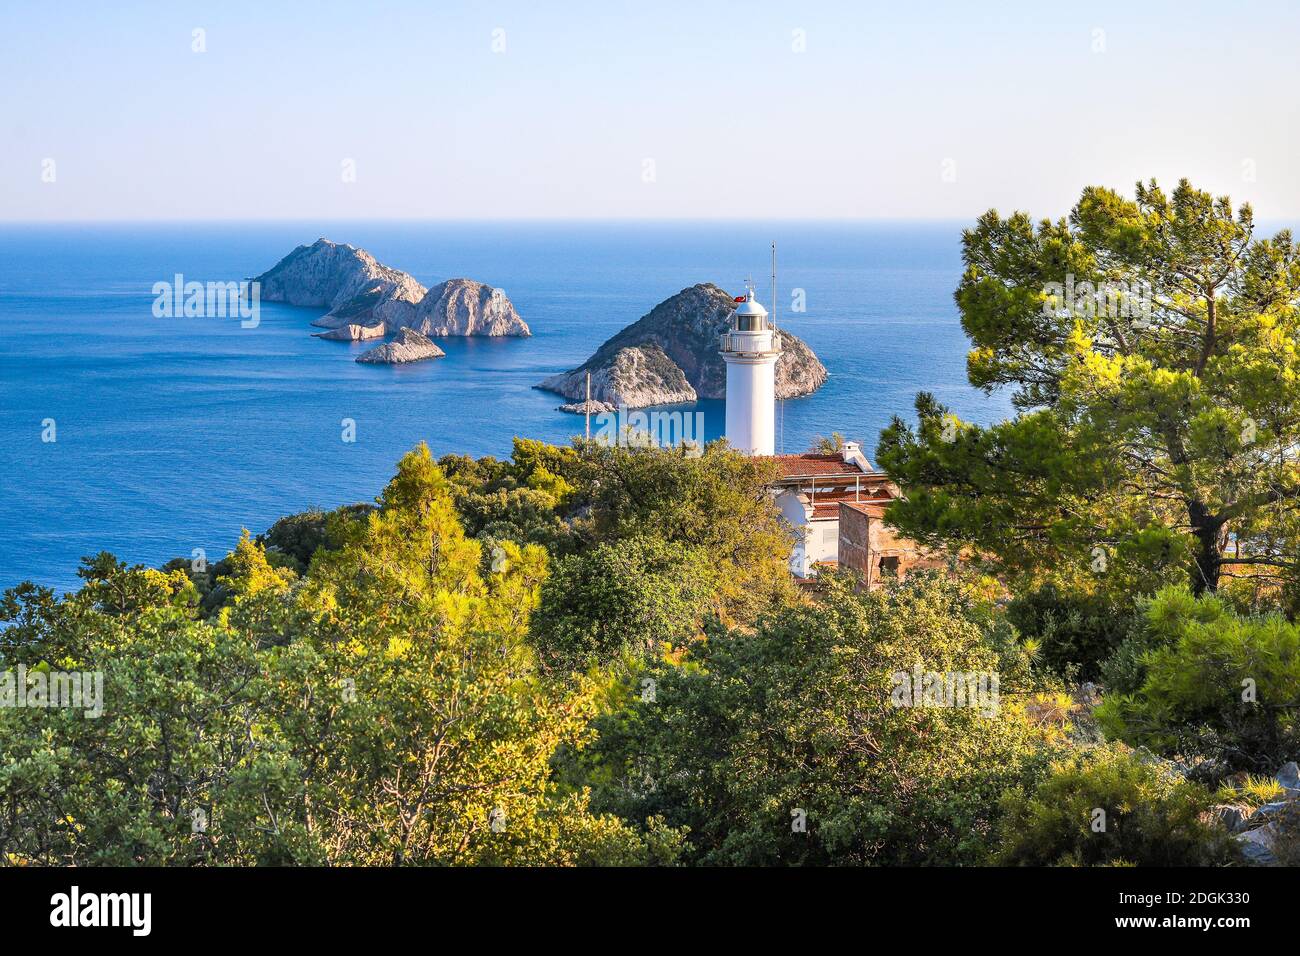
614, 110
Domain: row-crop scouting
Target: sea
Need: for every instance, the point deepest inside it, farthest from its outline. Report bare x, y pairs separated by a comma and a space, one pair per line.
153, 437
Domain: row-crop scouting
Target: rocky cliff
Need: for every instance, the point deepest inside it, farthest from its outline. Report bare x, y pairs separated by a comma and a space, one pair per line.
348, 282
466, 307
358, 290
671, 355
407, 345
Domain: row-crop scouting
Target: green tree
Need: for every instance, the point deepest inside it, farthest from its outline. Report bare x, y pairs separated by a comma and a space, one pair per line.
523, 515
521, 500
629, 596
428, 730
297, 537
717, 502
249, 572
1075, 633
554, 469
796, 723
821, 445
179, 768
1151, 348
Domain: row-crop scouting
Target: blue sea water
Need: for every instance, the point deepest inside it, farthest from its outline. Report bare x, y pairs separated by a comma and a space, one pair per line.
173, 434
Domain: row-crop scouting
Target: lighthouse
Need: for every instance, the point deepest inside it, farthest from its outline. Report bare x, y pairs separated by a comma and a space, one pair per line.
750, 350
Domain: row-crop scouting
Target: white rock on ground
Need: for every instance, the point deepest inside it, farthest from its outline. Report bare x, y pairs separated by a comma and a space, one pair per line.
1257, 845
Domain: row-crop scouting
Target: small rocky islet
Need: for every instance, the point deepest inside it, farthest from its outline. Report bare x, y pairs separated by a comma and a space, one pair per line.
406, 346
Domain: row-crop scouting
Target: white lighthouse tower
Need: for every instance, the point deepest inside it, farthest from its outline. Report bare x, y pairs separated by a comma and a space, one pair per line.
750, 350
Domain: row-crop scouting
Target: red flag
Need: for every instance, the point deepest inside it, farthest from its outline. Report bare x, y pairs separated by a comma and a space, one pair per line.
740, 298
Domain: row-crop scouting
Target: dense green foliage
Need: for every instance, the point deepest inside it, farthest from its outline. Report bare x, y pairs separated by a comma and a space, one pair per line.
384, 708
1151, 346
1076, 633
517, 500
797, 715
1214, 683
375, 685
634, 595
1106, 806
716, 504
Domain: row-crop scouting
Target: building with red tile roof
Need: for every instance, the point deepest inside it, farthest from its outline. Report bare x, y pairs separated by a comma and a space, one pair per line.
835, 503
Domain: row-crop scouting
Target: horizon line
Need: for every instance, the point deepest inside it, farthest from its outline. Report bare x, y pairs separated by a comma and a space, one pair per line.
486, 220
964, 221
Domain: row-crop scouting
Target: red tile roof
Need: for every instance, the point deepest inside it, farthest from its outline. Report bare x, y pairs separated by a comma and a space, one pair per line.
802, 466
826, 504
875, 509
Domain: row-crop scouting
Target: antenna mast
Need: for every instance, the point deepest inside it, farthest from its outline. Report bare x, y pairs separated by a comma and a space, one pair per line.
776, 329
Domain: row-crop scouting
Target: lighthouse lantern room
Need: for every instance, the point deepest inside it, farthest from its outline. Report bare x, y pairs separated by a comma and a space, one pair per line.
750, 350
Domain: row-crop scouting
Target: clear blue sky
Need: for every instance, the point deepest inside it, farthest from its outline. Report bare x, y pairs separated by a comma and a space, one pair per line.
560, 124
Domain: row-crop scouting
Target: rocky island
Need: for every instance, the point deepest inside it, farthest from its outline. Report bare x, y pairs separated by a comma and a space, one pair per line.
362, 293
670, 355
406, 346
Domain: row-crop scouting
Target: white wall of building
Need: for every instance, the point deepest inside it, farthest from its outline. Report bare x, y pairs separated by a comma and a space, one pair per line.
823, 540
794, 513
815, 540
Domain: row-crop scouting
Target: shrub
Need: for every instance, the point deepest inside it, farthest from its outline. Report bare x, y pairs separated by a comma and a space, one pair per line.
1076, 633
1108, 806
1216, 684
1253, 791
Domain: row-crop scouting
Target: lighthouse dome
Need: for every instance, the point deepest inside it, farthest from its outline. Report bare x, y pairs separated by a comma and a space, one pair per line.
750, 315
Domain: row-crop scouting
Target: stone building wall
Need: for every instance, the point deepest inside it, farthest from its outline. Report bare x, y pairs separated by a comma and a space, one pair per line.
855, 541
872, 549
